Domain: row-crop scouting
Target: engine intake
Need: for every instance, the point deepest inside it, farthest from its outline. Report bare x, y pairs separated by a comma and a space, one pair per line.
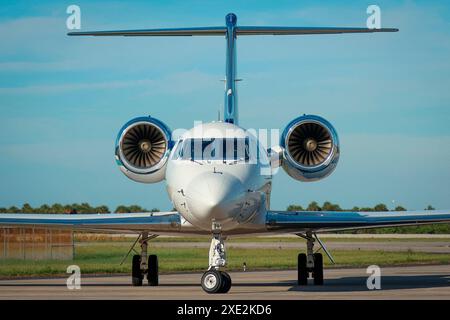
142, 148
311, 148
143, 145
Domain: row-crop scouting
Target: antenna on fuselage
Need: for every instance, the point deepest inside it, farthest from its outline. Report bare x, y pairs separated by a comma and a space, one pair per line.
231, 31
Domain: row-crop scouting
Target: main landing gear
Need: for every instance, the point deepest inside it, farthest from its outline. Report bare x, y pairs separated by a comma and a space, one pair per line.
215, 280
141, 265
311, 263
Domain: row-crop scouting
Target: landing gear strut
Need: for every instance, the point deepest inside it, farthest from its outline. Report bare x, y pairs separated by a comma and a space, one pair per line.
214, 280
310, 263
141, 265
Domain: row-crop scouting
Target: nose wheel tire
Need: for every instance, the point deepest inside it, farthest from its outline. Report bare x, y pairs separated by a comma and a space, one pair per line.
226, 282
152, 273
136, 273
214, 281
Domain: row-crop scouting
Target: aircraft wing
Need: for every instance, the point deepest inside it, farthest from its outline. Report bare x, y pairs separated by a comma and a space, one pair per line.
112, 222
321, 221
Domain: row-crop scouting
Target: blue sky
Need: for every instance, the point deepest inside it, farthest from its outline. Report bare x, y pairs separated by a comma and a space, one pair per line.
63, 99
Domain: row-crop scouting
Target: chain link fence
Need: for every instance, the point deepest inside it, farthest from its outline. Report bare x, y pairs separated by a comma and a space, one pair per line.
36, 244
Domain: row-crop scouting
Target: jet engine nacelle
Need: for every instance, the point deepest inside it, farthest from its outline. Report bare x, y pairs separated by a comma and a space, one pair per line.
142, 148
310, 148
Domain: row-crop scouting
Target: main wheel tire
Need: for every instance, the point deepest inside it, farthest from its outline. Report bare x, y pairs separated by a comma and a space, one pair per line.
212, 281
152, 273
136, 272
226, 282
318, 269
302, 271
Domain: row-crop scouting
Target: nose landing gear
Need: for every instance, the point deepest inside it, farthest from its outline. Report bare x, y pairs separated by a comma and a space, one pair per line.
215, 280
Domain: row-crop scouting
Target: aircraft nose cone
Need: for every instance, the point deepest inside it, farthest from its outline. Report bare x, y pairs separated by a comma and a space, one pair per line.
214, 196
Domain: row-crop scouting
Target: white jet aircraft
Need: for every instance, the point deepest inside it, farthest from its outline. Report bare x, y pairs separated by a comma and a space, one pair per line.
218, 176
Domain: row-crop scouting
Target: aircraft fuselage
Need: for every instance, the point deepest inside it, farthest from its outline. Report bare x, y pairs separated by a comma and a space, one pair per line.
209, 180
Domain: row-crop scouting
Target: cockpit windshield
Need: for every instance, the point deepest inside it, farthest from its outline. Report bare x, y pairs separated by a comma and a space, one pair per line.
224, 149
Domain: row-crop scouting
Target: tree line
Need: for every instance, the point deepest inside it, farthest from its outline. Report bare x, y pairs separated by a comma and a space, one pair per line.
74, 208
328, 206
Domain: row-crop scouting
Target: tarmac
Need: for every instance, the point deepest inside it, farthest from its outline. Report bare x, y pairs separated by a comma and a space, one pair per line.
397, 283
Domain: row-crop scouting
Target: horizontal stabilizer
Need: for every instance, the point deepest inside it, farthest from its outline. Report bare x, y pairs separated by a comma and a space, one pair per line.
202, 31
221, 31
248, 31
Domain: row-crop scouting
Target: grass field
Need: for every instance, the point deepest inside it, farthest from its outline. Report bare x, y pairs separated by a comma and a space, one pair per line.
88, 237
103, 257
